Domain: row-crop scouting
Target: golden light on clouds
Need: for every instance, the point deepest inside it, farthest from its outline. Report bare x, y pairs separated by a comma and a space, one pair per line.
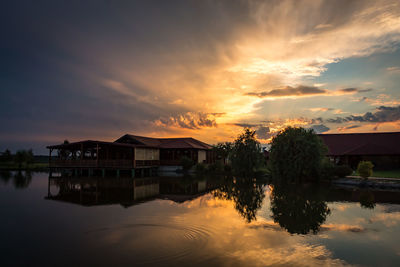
166, 74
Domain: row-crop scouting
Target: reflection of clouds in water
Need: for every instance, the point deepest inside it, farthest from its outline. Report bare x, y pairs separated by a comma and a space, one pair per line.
343, 227
388, 219
341, 207
258, 243
297, 255
270, 225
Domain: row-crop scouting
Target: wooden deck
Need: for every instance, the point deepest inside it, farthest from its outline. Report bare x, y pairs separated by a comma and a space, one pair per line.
115, 164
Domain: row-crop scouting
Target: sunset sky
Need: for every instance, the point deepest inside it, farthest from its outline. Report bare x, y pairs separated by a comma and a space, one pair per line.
206, 69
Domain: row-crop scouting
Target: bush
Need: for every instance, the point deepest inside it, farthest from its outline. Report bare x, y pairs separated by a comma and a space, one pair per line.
364, 169
186, 163
218, 166
227, 168
327, 171
342, 171
296, 155
200, 168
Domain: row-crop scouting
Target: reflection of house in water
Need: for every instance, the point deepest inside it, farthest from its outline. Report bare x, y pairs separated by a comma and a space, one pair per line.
91, 191
183, 189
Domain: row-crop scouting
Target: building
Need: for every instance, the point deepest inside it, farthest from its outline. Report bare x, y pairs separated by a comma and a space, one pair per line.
128, 153
382, 149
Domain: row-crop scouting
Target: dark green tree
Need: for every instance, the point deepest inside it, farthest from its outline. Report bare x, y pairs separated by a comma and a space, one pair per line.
223, 151
186, 163
20, 157
296, 155
29, 157
246, 156
6, 156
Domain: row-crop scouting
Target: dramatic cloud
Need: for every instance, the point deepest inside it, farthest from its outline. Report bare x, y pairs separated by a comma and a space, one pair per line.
144, 67
345, 128
264, 133
382, 114
303, 90
320, 128
246, 125
355, 90
290, 91
189, 120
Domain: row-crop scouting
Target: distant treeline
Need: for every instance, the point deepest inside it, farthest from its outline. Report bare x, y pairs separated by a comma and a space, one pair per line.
22, 159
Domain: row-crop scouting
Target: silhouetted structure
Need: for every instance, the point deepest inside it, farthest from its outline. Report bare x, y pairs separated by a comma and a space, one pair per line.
128, 153
382, 149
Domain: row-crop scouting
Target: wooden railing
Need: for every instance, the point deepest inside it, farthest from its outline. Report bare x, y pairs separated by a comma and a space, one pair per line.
118, 163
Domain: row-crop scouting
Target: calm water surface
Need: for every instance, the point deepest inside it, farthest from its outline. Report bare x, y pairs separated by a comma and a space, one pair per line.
178, 221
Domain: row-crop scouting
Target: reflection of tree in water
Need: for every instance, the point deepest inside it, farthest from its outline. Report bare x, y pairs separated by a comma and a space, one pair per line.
367, 199
22, 180
5, 176
298, 209
246, 193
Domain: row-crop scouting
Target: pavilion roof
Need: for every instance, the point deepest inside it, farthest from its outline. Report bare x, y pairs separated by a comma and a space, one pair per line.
185, 142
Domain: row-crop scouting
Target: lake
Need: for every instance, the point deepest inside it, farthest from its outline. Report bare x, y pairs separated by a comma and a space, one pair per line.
181, 221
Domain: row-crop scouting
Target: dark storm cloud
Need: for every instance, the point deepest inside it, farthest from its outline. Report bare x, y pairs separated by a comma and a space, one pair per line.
355, 90
382, 114
350, 127
319, 128
246, 125
55, 55
303, 90
264, 132
289, 91
317, 121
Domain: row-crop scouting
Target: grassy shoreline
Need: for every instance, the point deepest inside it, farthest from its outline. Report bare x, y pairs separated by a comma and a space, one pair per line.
385, 173
11, 166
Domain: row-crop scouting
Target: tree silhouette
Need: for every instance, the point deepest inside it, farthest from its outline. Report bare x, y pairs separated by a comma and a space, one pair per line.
296, 155
246, 154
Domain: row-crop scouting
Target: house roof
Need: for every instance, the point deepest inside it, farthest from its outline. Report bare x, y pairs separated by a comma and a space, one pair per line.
91, 143
362, 143
186, 142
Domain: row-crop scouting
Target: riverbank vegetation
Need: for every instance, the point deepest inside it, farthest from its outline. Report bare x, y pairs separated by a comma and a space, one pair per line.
22, 160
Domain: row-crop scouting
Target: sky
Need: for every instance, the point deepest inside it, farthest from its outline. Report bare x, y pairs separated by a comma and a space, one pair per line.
97, 70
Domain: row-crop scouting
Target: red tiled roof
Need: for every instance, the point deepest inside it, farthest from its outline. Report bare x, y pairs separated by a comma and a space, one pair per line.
164, 142
362, 143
